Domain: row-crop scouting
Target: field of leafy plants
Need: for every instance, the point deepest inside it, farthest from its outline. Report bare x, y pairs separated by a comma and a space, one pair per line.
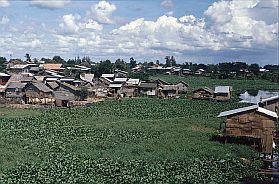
141, 140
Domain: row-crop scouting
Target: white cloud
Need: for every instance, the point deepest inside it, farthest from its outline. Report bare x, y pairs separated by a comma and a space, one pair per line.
4, 20
102, 12
69, 23
49, 4
4, 3
167, 4
187, 19
91, 24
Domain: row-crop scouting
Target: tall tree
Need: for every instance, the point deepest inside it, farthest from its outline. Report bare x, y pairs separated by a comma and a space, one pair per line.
28, 57
168, 61
58, 59
173, 62
132, 62
120, 64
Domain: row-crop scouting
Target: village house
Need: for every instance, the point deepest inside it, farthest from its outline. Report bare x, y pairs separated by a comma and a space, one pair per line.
38, 93
251, 122
19, 68
4, 78
187, 71
130, 88
52, 85
115, 89
148, 88
271, 104
120, 73
15, 92
63, 98
70, 89
223, 93
203, 93
168, 91
182, 87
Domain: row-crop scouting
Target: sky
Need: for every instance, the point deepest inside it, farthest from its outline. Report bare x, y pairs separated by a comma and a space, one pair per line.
201, 31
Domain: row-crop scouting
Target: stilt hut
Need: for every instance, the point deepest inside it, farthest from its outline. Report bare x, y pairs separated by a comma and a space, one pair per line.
251, 122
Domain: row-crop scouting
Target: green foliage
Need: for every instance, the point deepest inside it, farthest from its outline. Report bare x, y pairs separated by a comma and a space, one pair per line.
142, 140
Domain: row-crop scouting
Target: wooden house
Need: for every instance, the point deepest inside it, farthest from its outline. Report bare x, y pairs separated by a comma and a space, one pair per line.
223, 93
203, 93
271, 104
148, 88
70, 88
115, 89
15, 92
130, 88
168, 91
19, 68
182, 87
251, 122
63, 98
38, 93
52, 85
4, 78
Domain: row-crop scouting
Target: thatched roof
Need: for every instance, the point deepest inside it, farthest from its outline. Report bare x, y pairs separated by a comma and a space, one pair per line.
64, 95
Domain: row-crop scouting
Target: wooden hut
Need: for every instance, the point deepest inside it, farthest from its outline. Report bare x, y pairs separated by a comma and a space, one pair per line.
169, 91
223, 93
130, 88
271, 104
182, 87
14, 92
251, 122
63, 98
148, 88
203, 93
38, 93
4, 78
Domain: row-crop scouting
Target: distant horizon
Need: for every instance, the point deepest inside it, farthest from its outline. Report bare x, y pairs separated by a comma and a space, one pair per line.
197, 31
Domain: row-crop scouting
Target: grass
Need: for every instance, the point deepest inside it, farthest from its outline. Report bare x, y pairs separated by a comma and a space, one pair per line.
239, 86
15, 113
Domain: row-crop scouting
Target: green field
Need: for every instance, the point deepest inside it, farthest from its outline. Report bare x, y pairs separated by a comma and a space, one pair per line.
140, 140
239, 86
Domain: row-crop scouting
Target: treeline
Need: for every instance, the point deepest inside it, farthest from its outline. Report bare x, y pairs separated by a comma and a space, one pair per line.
224, 70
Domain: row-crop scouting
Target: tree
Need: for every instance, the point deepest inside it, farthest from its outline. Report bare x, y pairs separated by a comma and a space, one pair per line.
28, 57
104, 67
157, 62
173, 62
83, 92
168, 61
133, 62
58, 59
254, 68
2, 60
120, 64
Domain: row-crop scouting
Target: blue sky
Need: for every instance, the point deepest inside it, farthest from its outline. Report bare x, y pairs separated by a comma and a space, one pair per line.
204, 31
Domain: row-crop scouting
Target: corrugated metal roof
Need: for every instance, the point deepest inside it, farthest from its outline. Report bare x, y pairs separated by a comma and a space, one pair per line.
4, 75
249, 108
107, 75
87, 77
120, 80
133, 81
222, 89
115, 85
267, 112
270, 98
235, 111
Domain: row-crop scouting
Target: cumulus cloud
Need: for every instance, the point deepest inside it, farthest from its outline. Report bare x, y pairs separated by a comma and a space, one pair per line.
91, 24
4, 3
4, 20
69, 23
102, 12
49, 4
167, 4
